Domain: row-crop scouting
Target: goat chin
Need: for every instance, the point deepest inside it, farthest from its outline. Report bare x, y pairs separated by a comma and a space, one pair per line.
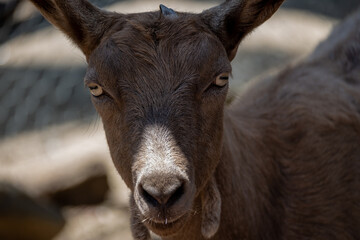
211, 209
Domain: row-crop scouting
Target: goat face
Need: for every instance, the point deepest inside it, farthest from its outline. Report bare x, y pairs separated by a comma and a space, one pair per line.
160, 88
159, 82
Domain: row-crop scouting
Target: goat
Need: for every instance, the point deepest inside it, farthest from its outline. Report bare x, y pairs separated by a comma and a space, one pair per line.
282, 162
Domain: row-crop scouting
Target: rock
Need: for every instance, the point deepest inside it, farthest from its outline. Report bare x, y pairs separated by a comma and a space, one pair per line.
88, 186
25, 218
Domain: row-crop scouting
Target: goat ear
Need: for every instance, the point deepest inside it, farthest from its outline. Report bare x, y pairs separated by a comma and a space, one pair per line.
234, 19
138, 229
211, 209
82, 22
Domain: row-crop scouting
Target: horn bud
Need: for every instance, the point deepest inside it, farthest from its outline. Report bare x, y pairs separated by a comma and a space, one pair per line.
167, 12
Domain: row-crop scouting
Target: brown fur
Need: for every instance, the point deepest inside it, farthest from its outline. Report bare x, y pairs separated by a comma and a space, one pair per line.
283, 162
211, 209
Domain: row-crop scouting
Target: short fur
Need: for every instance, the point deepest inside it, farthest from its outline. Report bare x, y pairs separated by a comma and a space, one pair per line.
282, 162
211, 209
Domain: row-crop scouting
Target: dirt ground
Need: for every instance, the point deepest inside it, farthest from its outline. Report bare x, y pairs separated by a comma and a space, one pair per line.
285, 39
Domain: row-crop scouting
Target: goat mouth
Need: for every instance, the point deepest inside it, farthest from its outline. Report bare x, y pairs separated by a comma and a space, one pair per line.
164, 224
168, 226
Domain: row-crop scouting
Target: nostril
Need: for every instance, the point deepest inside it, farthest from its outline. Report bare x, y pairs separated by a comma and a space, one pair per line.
176, 195
166, 196
148, 197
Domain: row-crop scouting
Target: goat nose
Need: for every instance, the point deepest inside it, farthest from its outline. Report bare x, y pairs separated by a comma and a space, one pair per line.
158, 194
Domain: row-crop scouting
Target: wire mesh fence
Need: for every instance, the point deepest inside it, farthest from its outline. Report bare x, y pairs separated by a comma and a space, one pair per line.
34, 98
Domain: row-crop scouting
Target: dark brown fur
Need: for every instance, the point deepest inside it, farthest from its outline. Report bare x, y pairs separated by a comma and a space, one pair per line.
284, 160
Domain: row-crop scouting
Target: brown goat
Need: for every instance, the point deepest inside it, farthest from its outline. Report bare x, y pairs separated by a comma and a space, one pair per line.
283, 162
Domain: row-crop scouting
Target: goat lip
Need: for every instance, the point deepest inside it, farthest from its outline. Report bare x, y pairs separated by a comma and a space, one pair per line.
166, 221
162, 229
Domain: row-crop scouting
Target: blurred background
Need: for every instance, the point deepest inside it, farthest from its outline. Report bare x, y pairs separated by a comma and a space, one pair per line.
56, 176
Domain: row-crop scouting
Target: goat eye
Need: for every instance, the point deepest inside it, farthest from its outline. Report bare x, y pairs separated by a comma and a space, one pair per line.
222, 80
95, 89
